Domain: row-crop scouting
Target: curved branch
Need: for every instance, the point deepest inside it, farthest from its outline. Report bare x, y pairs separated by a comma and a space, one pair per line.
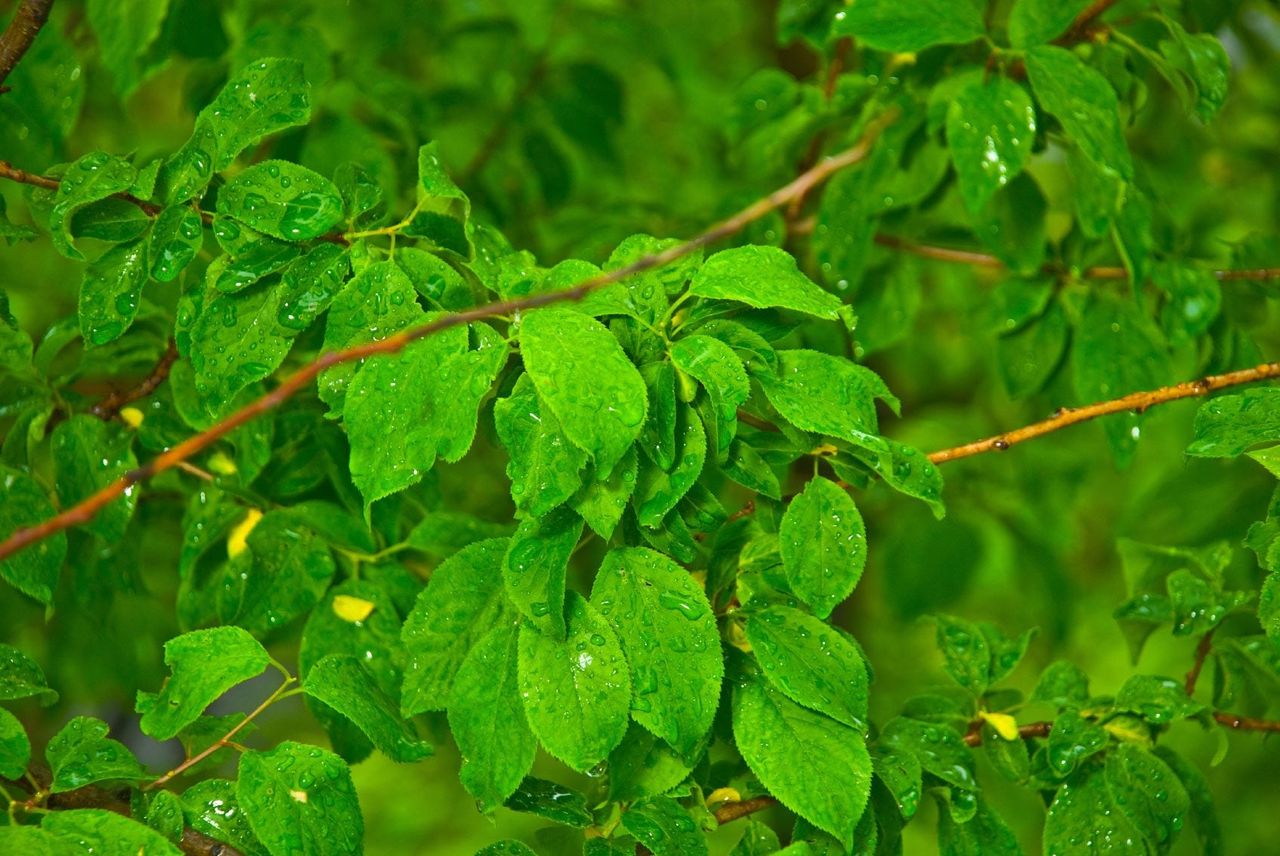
85, 511
109, 406
19, 35
1138, 401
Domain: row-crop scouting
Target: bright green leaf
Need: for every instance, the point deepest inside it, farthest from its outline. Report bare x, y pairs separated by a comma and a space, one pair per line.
762, 277
300, 799
204, 665
824, 545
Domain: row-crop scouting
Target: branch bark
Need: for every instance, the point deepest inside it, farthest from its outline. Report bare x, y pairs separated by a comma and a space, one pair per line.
20, 34
1138, 401
85, 511
109, 406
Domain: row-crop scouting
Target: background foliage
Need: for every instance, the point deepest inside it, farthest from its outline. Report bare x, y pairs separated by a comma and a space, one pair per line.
695, 454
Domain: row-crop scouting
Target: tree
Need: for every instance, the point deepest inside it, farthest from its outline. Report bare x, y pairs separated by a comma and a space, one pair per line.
359, 407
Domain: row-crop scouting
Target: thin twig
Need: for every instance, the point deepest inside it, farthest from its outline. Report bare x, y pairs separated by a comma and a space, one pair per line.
19, 35
1137, 401
1245, 723
108, 407
973, 737
1202, 651
85, 511
732, 811
1083, 23
976, 259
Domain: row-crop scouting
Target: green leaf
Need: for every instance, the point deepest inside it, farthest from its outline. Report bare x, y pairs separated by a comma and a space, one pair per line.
1148, 792
968, 658
34, 841
98, 831
533, 570
112, 220
762, 277
461, 603
1063, 684
825, 394
985, 835
551, 801
263, 98
251, 256
583, 377
815, 766
643, 765
110, 292
602, 502
1203, 60
436, 190
124, 35
1013, 224
991, 126
283, 200
91, 177
1228, 425
175, 239
577, 691
33, 570
236, 341
164, 815
1084, 102
343, 683
811, 662
1072, 740
663, 826
204, 665
91, 454
1116, 351
1158, 700
658, 491
544, 465
509, 847
440, 534
1131, 230
1203, 812
487, 719
824, 545
757, 840
668, 633
1035, 22
22, 677
1009, 758
82, 754
283, 572
939, 750
715, 365
300, 799
211, 807
378, 301
1029, 356
15, 748
887, 25
404, 409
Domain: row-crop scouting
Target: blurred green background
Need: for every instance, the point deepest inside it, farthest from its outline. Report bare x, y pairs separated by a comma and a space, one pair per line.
574, 124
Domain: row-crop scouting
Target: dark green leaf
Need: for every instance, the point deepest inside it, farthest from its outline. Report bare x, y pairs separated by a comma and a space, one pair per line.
939, 750
887, 25
1159, 700
22, 677
34, 570
15, 748
175, 239
204, 664
967, 655
533, 570
658, 491
280, 575
487, 719
82, 754
811, 662
124, 35
94, 176
1035, 22
583, 377
1072, 740
300, 799
1230, 424
985, 835
283, 200
90, 454
343, 683
1148, 793
762, 277
668, 633
663, 826
991, 126
98, 831
462, 602
577, 691
824, 545
211, 807
815, 766
1084, 102
551, 801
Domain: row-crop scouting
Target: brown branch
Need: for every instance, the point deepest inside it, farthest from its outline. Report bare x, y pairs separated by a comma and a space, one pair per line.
1202, 651
1137, 401
970, 257
498, 133
973, 736
1245, 723
1083, 24
193, 843
85, 511
108, 407
732, 811
19, 35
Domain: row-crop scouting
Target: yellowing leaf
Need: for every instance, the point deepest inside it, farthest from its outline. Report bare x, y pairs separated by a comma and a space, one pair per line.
221, 464
723, 795
350, 608
236, 541
1004, 724
132, 417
